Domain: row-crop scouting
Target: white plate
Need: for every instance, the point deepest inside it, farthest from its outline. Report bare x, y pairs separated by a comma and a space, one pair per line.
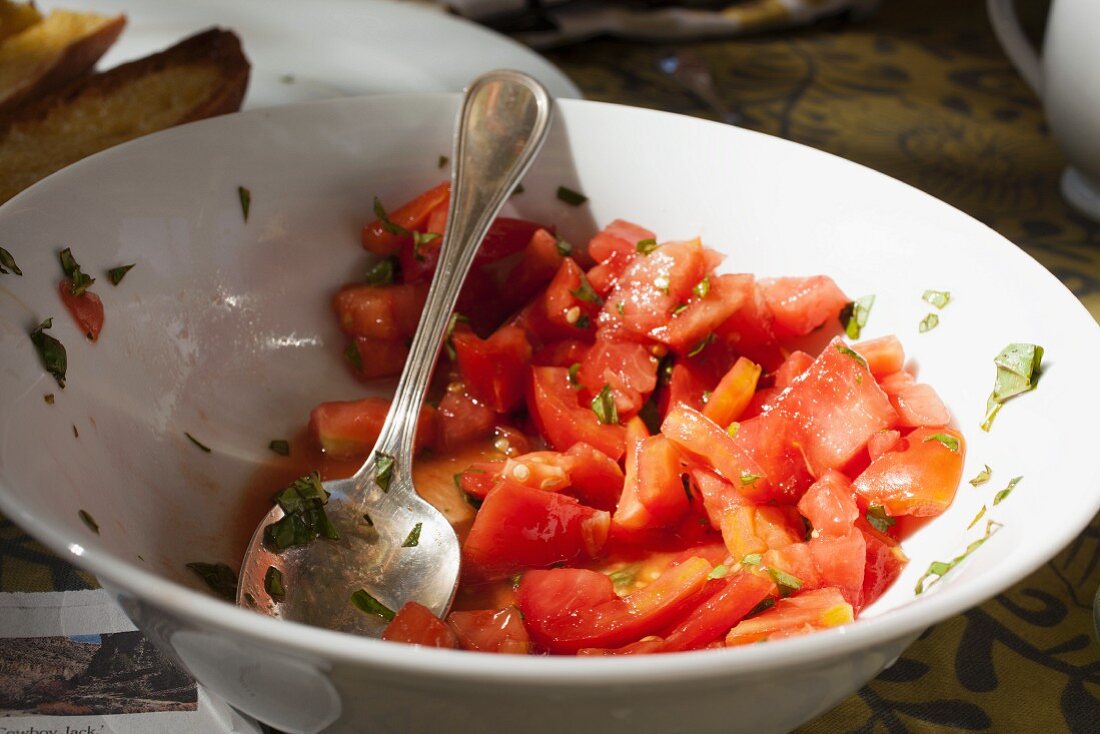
329, 48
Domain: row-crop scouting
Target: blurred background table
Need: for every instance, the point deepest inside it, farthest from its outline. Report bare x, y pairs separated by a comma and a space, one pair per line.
922, 92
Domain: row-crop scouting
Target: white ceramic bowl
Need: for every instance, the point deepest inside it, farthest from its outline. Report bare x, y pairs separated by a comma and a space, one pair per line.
223, 330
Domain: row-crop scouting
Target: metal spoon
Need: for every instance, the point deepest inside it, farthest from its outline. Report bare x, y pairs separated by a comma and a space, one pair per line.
392, 543
690, 70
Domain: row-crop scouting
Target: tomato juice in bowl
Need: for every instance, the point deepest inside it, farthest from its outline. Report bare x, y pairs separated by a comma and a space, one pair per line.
228, 336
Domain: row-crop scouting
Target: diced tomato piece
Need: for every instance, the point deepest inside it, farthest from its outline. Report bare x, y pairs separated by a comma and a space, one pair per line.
562, 420
540, 262
652, 286
772, 444
830, 505
792, 616
604, 275
840, 561
631, 514
565, 353
728, 401
387, 312
519, 527
884, 355
919, 478
751, 328
507, 236
660, 488
916, 403
885, 562
797, 363
882, 442
569, 609
378, 358
707, 443
629, 369
641, 647
686, 384
569, 297
796, 560
620, 237
494, 369
736, 596
462, 419
411, 216
477, 479
491, 630
349, 429
800, 305
718, 495
86, 309
749, 529
701, 317
414, 623
595, 478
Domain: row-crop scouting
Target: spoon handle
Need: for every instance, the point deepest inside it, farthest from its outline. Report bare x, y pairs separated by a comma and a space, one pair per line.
504, 121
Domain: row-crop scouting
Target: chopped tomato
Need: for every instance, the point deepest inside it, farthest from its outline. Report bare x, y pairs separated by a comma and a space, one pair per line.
620, 237
631, 514
697, 320
728, 401
494, 369
734, 597
654, 285
462, 419
882, 442
751, 328
595, 478
477, 479
708, 444
830, 505
797, 363
410, 216
800, 305
519, 527
541, 260
349, 429
749, 529
414, 623
918, 478
562, 420
916, 403
570, 303
377, 358
884, 355
387, 312
641, 647
86, 309
491, 630
885, 562
629, 370
794, 615
565, 353
569, 609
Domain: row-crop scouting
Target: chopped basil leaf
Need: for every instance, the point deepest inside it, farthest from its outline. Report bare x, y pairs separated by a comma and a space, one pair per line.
89, 521
353, 356
246, 200
702, 288
878, 519
929, 322
848, 351
419, 240
623, 579
1003, 494
115, 275
982, 477
281, 447
366, 603
76, 433
383, 470
646, 246
686, 481
474, 502
706, 342
748, 478
518, 190
582, 321
51, 351
48, 397
452, 324
752, 559
784, 581
80, 280
619, 307
248, 598
733, 428
1017, 372
679, 309
384, 220
303, 505
516, 580
853, 317
8, 262
564, 248
443, 161
574, 371
764, 605
571, 197
413, 538
706, 396
273, 583
192, 439
585, 292
603, 405
948, 441
219, 577
977, 517
367, 520
939, 299
718, 572
940, 568
383, 272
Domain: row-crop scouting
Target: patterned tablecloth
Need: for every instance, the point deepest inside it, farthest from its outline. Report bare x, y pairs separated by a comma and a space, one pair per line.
922, 92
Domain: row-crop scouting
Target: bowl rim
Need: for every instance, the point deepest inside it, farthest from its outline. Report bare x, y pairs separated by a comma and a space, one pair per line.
464, 667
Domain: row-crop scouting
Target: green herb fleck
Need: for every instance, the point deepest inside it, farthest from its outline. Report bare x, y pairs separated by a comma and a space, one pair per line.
281, 447
981, 513
353, 357
443, 161
1003, 494
585, 292
564, 248
79, 279
383, 470
603, 405
76, 433
452, 324
571, 197
878, 519
248, 598
582, 321
748, 478
304, 518
574, 372
623, 579
733, 428
679, 309
686, 481
939, 299
516, 580
196, 441
706, 342
763, 606
115, 275
982, 477
853, 317
849, 352
387, 225
702, 288
752, 559
948, 441
273, 583
518, 190
646, 246
718, 572
382, 272
7, 262
367, 520
48, 397
89, 521
419, 240
246, 200
219, 577
366, 603
413, 538
940, 568
787, 584
619, 307
929, 322
1017, 372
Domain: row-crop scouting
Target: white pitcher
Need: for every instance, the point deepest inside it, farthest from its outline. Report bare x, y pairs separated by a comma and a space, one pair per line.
1067, 79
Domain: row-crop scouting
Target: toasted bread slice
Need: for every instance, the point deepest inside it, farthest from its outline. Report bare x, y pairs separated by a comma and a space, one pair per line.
202, 76
53, 52
17, 17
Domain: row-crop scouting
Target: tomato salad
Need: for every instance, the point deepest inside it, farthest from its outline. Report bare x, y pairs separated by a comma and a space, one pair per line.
665, 470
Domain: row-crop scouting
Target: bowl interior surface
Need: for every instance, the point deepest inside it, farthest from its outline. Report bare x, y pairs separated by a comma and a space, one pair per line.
223, 328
